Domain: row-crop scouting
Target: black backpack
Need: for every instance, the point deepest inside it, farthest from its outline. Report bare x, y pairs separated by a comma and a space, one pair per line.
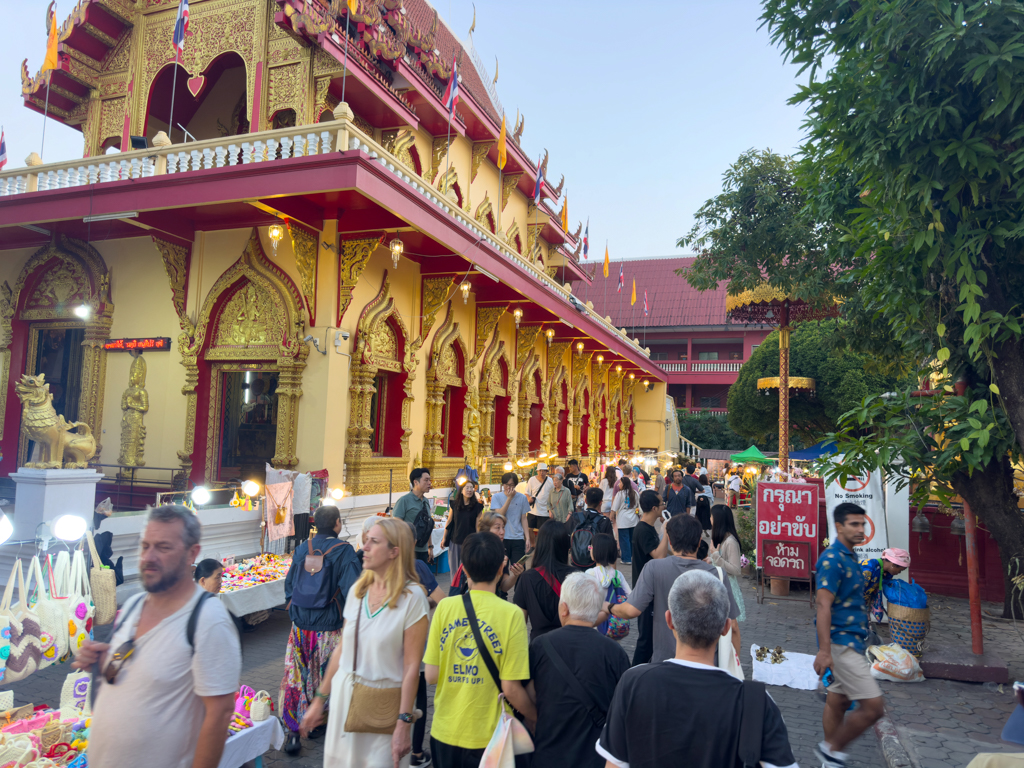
423, 525
587, 527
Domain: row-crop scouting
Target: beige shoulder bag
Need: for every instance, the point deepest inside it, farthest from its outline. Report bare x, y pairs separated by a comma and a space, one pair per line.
375, 704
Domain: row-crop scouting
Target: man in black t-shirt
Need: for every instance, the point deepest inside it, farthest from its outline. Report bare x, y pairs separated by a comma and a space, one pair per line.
576, 482
646, 547
573, 674
691, 481
649, 725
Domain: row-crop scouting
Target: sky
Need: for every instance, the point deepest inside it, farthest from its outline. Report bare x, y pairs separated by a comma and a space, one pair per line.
642, 106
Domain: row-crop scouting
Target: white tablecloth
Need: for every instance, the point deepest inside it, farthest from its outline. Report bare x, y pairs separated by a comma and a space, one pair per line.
436, 537
251, 743
797, 671
261, 597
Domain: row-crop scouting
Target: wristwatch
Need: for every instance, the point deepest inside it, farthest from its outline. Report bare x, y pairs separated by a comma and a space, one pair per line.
407, 717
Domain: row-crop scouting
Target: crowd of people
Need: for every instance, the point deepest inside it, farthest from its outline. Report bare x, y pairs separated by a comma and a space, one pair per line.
371, 630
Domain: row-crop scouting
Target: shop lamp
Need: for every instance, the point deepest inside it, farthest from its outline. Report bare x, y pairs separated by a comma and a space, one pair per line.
632, 376
645, 384
517, 313
507, 468
579, 348
465, 292
200, 495
397, 249
958, 527
6, 528
251, 488
276, 233
600, 359
69, 527
549, 334
618, 369
82, 311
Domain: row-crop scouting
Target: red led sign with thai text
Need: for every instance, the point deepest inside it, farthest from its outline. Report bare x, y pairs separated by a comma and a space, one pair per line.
128, 345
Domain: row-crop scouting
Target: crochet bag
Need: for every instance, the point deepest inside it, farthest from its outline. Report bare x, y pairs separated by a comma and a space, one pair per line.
103, 586
73, 583
26, 648
614, 627
51, 618
261, 706
74, 696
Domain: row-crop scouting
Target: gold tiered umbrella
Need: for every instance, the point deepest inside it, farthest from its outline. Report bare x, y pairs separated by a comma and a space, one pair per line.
767, 305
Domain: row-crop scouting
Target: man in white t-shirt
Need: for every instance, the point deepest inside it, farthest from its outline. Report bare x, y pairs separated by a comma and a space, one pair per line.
171, 671
734, 489
538, 490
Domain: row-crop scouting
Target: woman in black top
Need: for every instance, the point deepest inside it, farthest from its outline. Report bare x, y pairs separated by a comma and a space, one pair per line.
461, 522
703, 514
540, 587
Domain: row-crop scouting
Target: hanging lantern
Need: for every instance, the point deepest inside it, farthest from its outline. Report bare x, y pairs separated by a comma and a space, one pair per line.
465, 292
618, 369
600, 359
397, 249
276, 233
549, 334
517, 313
579, 348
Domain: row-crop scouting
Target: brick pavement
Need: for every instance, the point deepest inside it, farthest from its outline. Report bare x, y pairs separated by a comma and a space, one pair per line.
942, 724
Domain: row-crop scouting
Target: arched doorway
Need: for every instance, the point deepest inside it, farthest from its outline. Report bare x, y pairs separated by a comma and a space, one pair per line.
244, 365
562, 419
211, 105
602, 426
447, 393
494, 401
54, 321
584, 436
381, 397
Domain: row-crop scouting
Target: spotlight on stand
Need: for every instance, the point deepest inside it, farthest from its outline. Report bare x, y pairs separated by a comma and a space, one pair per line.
200, 495
69, 527
251, 488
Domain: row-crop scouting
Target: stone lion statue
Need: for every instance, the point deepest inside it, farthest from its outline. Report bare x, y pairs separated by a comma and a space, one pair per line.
44, 426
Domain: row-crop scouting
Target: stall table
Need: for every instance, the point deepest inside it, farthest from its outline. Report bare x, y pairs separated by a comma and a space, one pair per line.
252, 743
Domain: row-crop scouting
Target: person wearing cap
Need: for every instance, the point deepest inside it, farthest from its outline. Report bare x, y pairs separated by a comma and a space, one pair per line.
538, 493
877, 571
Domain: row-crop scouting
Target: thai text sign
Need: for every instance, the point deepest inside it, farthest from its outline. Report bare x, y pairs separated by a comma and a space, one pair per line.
128, 345
788, 513
789, 559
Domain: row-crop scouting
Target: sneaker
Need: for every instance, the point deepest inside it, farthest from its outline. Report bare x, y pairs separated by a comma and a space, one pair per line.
292, 744
828, 758
420, 761
319, 731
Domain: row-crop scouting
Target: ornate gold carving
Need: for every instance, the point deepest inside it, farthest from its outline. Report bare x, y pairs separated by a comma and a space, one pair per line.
352, 260
439, 150
528, 395
112, 119
480, 150
446, 351
435, 294
512, 237
277, 305
481, 213
41, 424
471, 424
556, 351
526, 336
287, 88
533, 246
446, 183
176, 260
134, 405
398, 143
305, 245
487, 318
508, 183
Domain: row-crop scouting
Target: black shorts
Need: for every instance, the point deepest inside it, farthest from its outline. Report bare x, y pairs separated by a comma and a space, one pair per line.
536, 521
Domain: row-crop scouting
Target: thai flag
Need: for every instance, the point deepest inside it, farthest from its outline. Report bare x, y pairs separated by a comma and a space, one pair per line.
181, 25
622, 280
645, 303
3, 150
451, 94
586, 240
540, 181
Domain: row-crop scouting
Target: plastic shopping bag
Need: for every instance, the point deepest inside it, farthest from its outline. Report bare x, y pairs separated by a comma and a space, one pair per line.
510, 738
890, 662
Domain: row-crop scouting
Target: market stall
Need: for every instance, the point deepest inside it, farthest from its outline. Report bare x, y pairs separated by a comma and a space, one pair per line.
254, 585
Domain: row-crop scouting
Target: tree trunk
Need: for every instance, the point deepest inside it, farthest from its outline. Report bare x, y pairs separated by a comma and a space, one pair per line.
990, 494
1009, 376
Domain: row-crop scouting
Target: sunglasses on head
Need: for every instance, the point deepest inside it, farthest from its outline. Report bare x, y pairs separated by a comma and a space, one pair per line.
121, 655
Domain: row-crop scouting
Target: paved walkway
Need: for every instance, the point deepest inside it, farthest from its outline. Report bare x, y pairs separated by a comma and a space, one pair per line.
942, 724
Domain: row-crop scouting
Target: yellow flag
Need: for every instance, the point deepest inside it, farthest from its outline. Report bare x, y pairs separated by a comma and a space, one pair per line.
50, 62
632, 299
606, 260
502, 146
565, 213
353, 6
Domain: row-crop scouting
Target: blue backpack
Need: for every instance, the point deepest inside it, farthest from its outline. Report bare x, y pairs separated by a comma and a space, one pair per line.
316, 584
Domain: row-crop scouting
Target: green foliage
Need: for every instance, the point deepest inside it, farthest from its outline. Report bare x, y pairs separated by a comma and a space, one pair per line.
843, 380
710, 431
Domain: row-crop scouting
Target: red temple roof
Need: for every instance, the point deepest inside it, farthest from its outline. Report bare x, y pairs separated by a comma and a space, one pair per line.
673, 301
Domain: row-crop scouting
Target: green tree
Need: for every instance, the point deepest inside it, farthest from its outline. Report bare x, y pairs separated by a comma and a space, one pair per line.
711, 431
843, 379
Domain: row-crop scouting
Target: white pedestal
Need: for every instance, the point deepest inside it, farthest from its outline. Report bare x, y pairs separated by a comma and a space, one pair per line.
46, 494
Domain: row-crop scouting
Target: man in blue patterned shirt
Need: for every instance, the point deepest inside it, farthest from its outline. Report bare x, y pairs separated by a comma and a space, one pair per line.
842, 623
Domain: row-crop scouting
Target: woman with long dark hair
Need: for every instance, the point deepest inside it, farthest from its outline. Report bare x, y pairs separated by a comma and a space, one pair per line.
702, 511
625, 514
607, 486
461, 522
540, 587
725, 553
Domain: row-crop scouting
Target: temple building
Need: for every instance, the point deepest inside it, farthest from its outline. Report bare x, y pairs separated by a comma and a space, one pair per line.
318, 268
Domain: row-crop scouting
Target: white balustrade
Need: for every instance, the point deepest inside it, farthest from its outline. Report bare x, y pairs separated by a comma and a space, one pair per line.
207, 158
246, 153
271, 149
221, 154
232, 154
311, 141
286, 148
325, 142
300, 146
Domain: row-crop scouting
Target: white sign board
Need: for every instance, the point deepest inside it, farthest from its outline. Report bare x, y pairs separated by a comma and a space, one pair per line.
865, 492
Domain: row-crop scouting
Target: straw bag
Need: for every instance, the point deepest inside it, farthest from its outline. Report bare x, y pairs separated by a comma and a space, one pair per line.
6, 700
908, 627
26, 649
259, 709
51, 619
374, 705
16, 751
74, 696
103, 584
14, 715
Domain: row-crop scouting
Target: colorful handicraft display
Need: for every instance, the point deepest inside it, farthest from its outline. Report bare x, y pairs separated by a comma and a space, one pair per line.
258, 570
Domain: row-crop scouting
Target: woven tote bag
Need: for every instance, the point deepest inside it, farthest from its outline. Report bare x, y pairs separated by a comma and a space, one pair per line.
74, 696
259, 709
79, 594
103, 585
26, 636
51, 619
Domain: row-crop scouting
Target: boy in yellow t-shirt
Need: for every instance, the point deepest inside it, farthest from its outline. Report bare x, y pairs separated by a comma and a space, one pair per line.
466, 700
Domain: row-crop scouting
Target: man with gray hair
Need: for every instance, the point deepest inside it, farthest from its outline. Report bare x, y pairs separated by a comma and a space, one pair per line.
573, 674
720, 722
171, 671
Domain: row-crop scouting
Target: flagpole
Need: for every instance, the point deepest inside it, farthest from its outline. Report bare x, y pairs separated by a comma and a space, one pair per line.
46, 109
605, 279
344, 80
174, 88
